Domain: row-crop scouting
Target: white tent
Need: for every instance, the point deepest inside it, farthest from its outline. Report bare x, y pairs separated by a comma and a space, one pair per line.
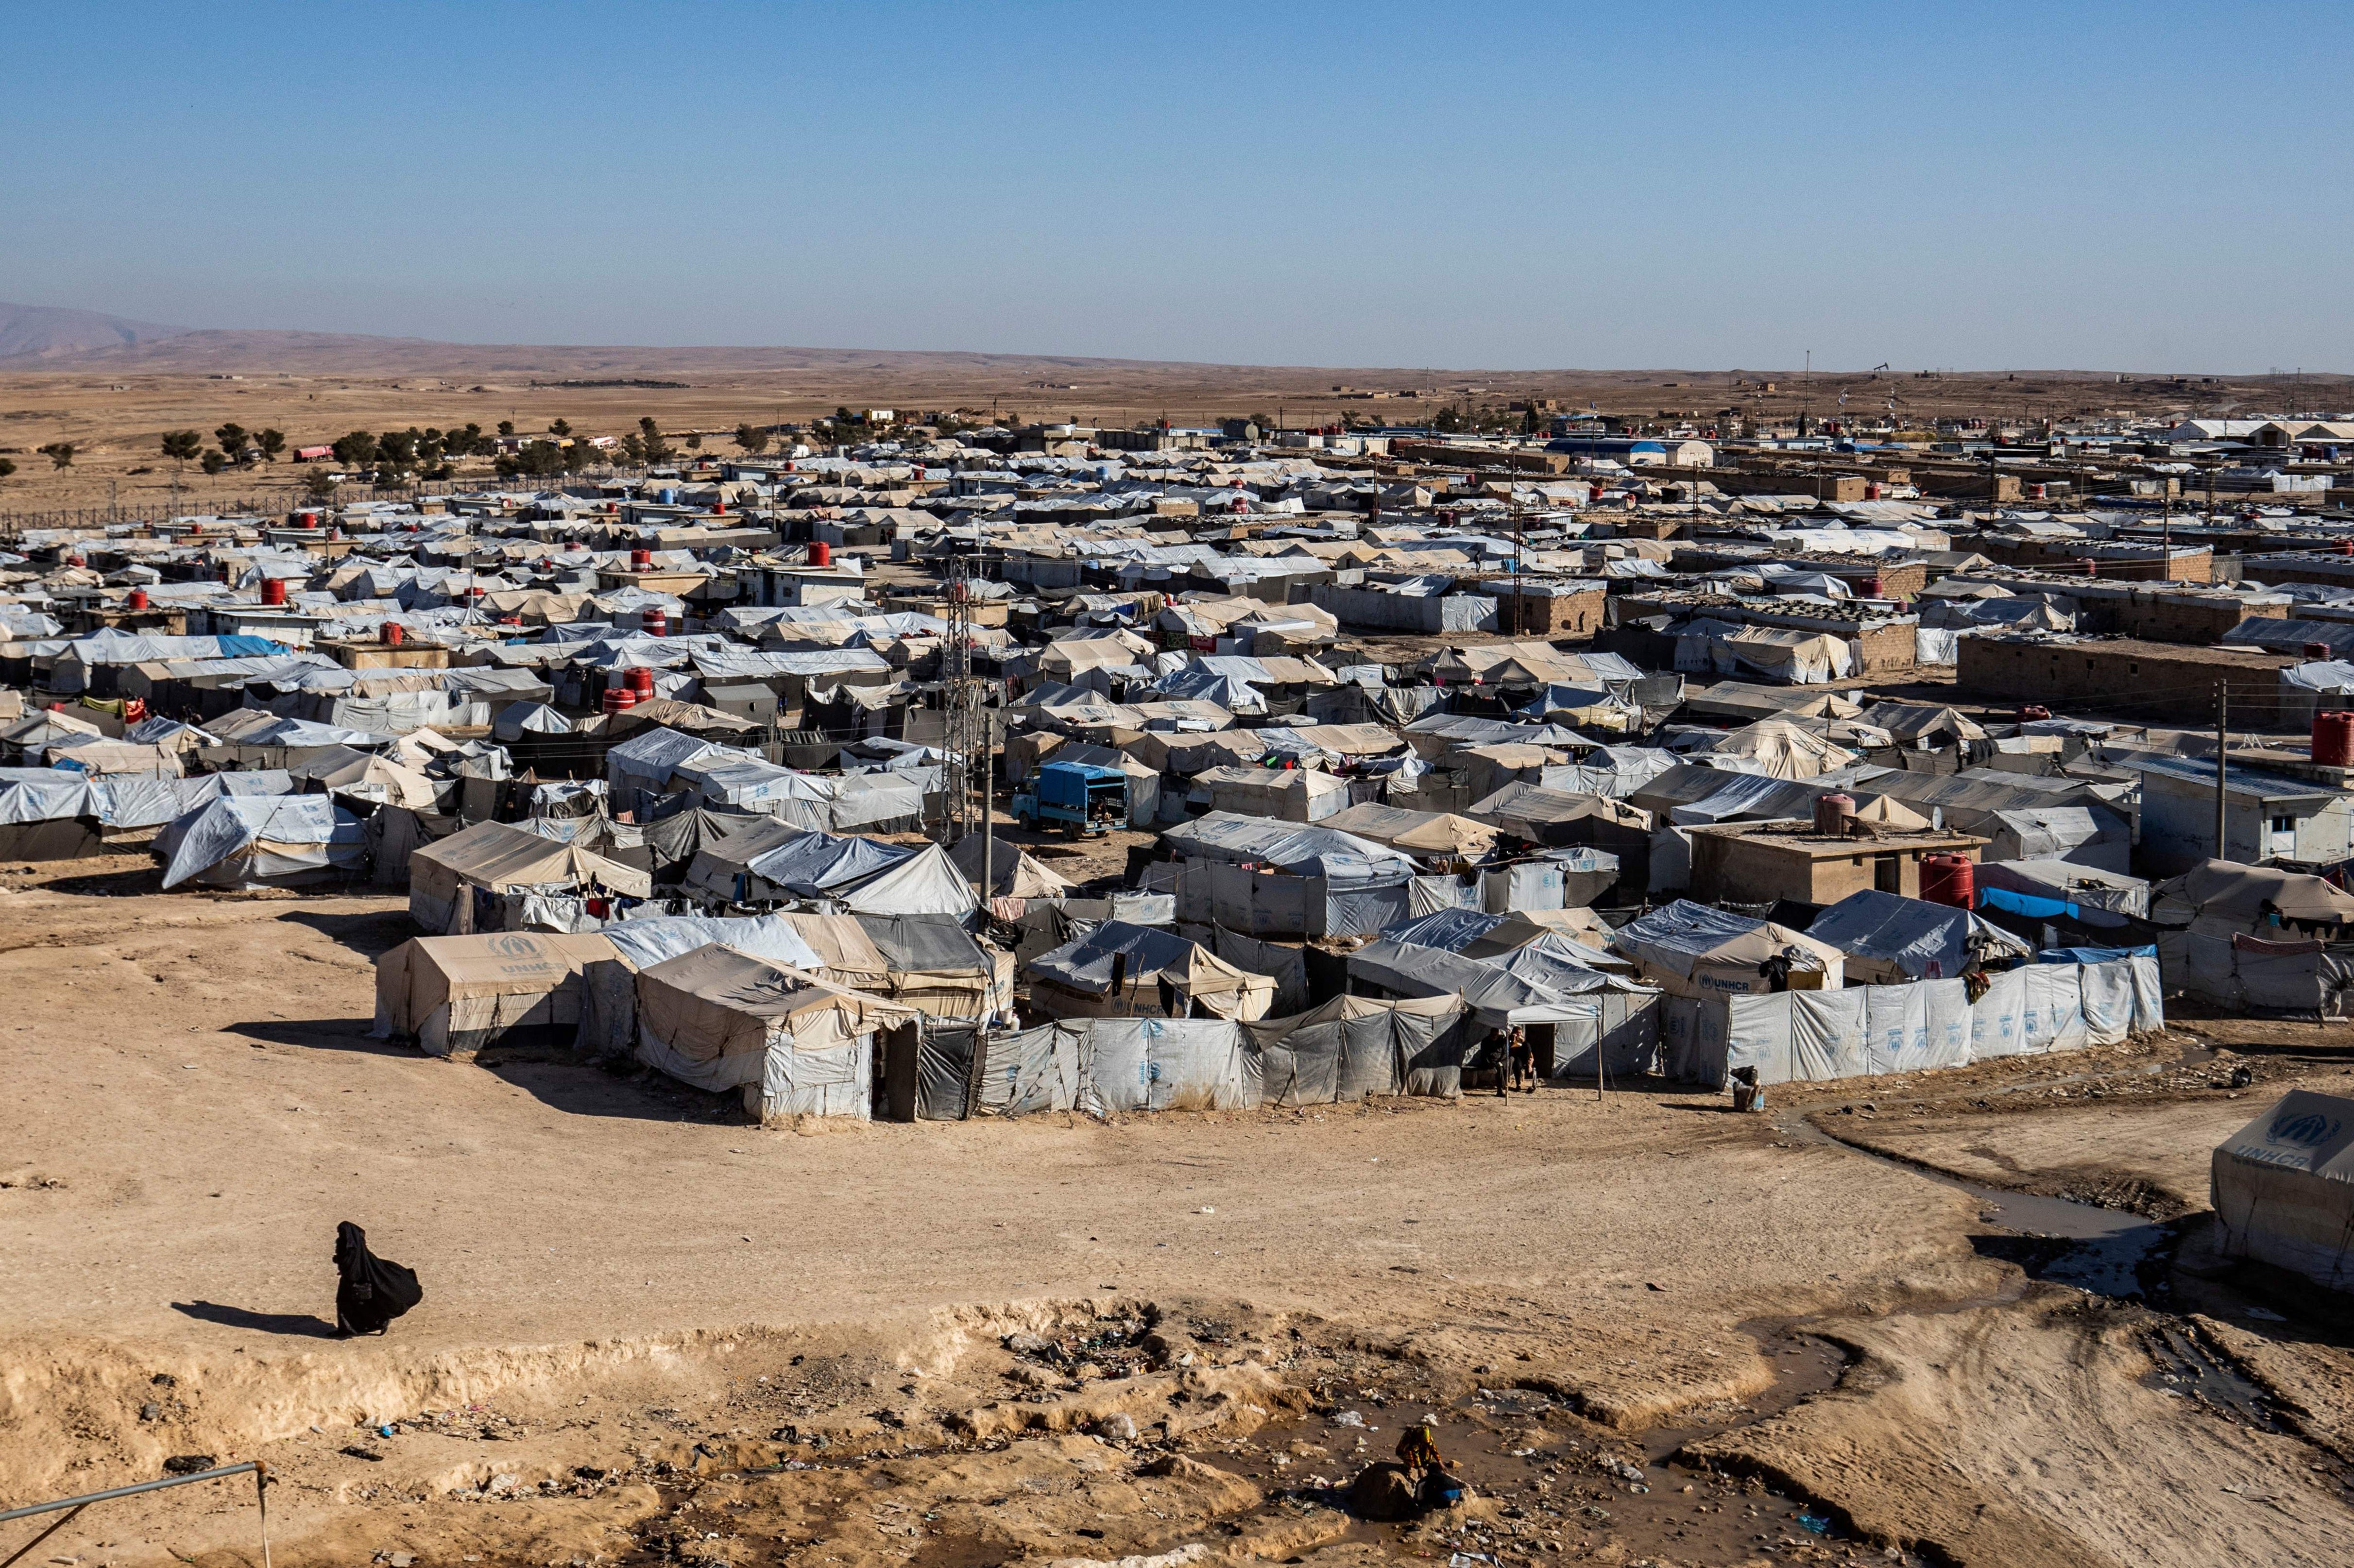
927, 883
2282, 1188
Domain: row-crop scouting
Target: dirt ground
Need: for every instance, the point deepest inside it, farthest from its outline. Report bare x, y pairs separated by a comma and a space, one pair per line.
1649, 1330
115, 404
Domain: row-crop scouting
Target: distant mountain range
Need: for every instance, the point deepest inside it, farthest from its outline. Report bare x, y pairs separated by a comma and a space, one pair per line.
32, 335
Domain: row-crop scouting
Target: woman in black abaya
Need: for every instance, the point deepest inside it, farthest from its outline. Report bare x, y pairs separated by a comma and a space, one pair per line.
370, 1292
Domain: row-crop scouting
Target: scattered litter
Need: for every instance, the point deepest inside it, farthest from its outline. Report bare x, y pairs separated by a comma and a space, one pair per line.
1345, 1418
2262, 1316
1814, 1523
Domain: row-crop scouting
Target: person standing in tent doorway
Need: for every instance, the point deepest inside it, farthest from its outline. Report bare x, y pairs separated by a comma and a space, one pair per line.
1523, 1057
370, 1291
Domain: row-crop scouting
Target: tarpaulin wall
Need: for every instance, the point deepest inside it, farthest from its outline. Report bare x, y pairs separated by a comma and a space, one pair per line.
1867, 1031
1345, 1050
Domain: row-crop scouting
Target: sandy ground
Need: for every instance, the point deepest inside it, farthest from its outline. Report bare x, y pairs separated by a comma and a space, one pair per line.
637, 1307
115, 406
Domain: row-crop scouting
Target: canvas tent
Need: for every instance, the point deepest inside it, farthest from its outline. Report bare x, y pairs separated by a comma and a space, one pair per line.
453, 884
1427, 835
608, 983
2099, 897
455, 995
1690, 949
2282, 1188
719, 1019
1287, 879
935, 966
2250, 935
261, 841
1076, 978
1889, 939
1274, 794
1015, 872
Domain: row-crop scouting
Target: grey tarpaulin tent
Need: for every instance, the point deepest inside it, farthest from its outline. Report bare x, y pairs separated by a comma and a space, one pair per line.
1889, 939
1076, 979
719, 1019
609, 1002
2282, 1187
261, 841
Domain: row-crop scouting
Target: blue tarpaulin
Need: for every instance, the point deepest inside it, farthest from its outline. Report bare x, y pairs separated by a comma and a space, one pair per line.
2024, 904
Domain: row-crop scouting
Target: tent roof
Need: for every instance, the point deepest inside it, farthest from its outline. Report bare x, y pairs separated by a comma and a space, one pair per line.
1683, 936
1912, 934
1084, 963
498, 855
1017, 873
742, 983
2228, 890
1418, 833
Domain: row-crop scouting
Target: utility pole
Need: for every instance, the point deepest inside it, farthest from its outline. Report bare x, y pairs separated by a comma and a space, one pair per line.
2223, 742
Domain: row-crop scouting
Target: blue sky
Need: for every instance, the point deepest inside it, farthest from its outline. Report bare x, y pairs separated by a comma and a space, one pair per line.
2129, 186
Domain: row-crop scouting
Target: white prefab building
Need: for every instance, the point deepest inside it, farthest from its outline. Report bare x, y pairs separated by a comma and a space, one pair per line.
2266, 816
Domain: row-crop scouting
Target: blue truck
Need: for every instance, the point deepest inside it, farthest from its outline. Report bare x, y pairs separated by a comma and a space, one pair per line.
1079, 795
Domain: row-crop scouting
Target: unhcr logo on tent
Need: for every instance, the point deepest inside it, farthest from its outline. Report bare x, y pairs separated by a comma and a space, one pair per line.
2308, 1129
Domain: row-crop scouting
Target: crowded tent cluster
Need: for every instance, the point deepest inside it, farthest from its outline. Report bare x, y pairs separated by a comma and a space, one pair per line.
1037, 769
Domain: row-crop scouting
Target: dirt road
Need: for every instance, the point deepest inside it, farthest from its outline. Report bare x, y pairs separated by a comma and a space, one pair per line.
195, 1103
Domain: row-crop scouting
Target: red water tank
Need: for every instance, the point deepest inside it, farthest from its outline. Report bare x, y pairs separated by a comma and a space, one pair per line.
719, 509
1871, 492
1949, 879
2333, 739
642, 680
821, 554
641, 560
393, 634
1877, 589
1832, 814
78, 560
619, 699
273, 590
2316, 651
138, 599
310, 520
2346, 548
654, 623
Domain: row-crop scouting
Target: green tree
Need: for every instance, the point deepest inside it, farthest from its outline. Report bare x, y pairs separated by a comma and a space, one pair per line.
751, 438
651, 442
181, 445
633, 449
356, 449
232, 437
60, 454
506, 427
576, 455
398, 449
7, 466
559, 427
695, 441
213, 462
319, 485
271, 443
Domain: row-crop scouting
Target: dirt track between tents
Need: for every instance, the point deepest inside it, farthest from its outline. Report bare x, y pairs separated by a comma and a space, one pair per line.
613, 1266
